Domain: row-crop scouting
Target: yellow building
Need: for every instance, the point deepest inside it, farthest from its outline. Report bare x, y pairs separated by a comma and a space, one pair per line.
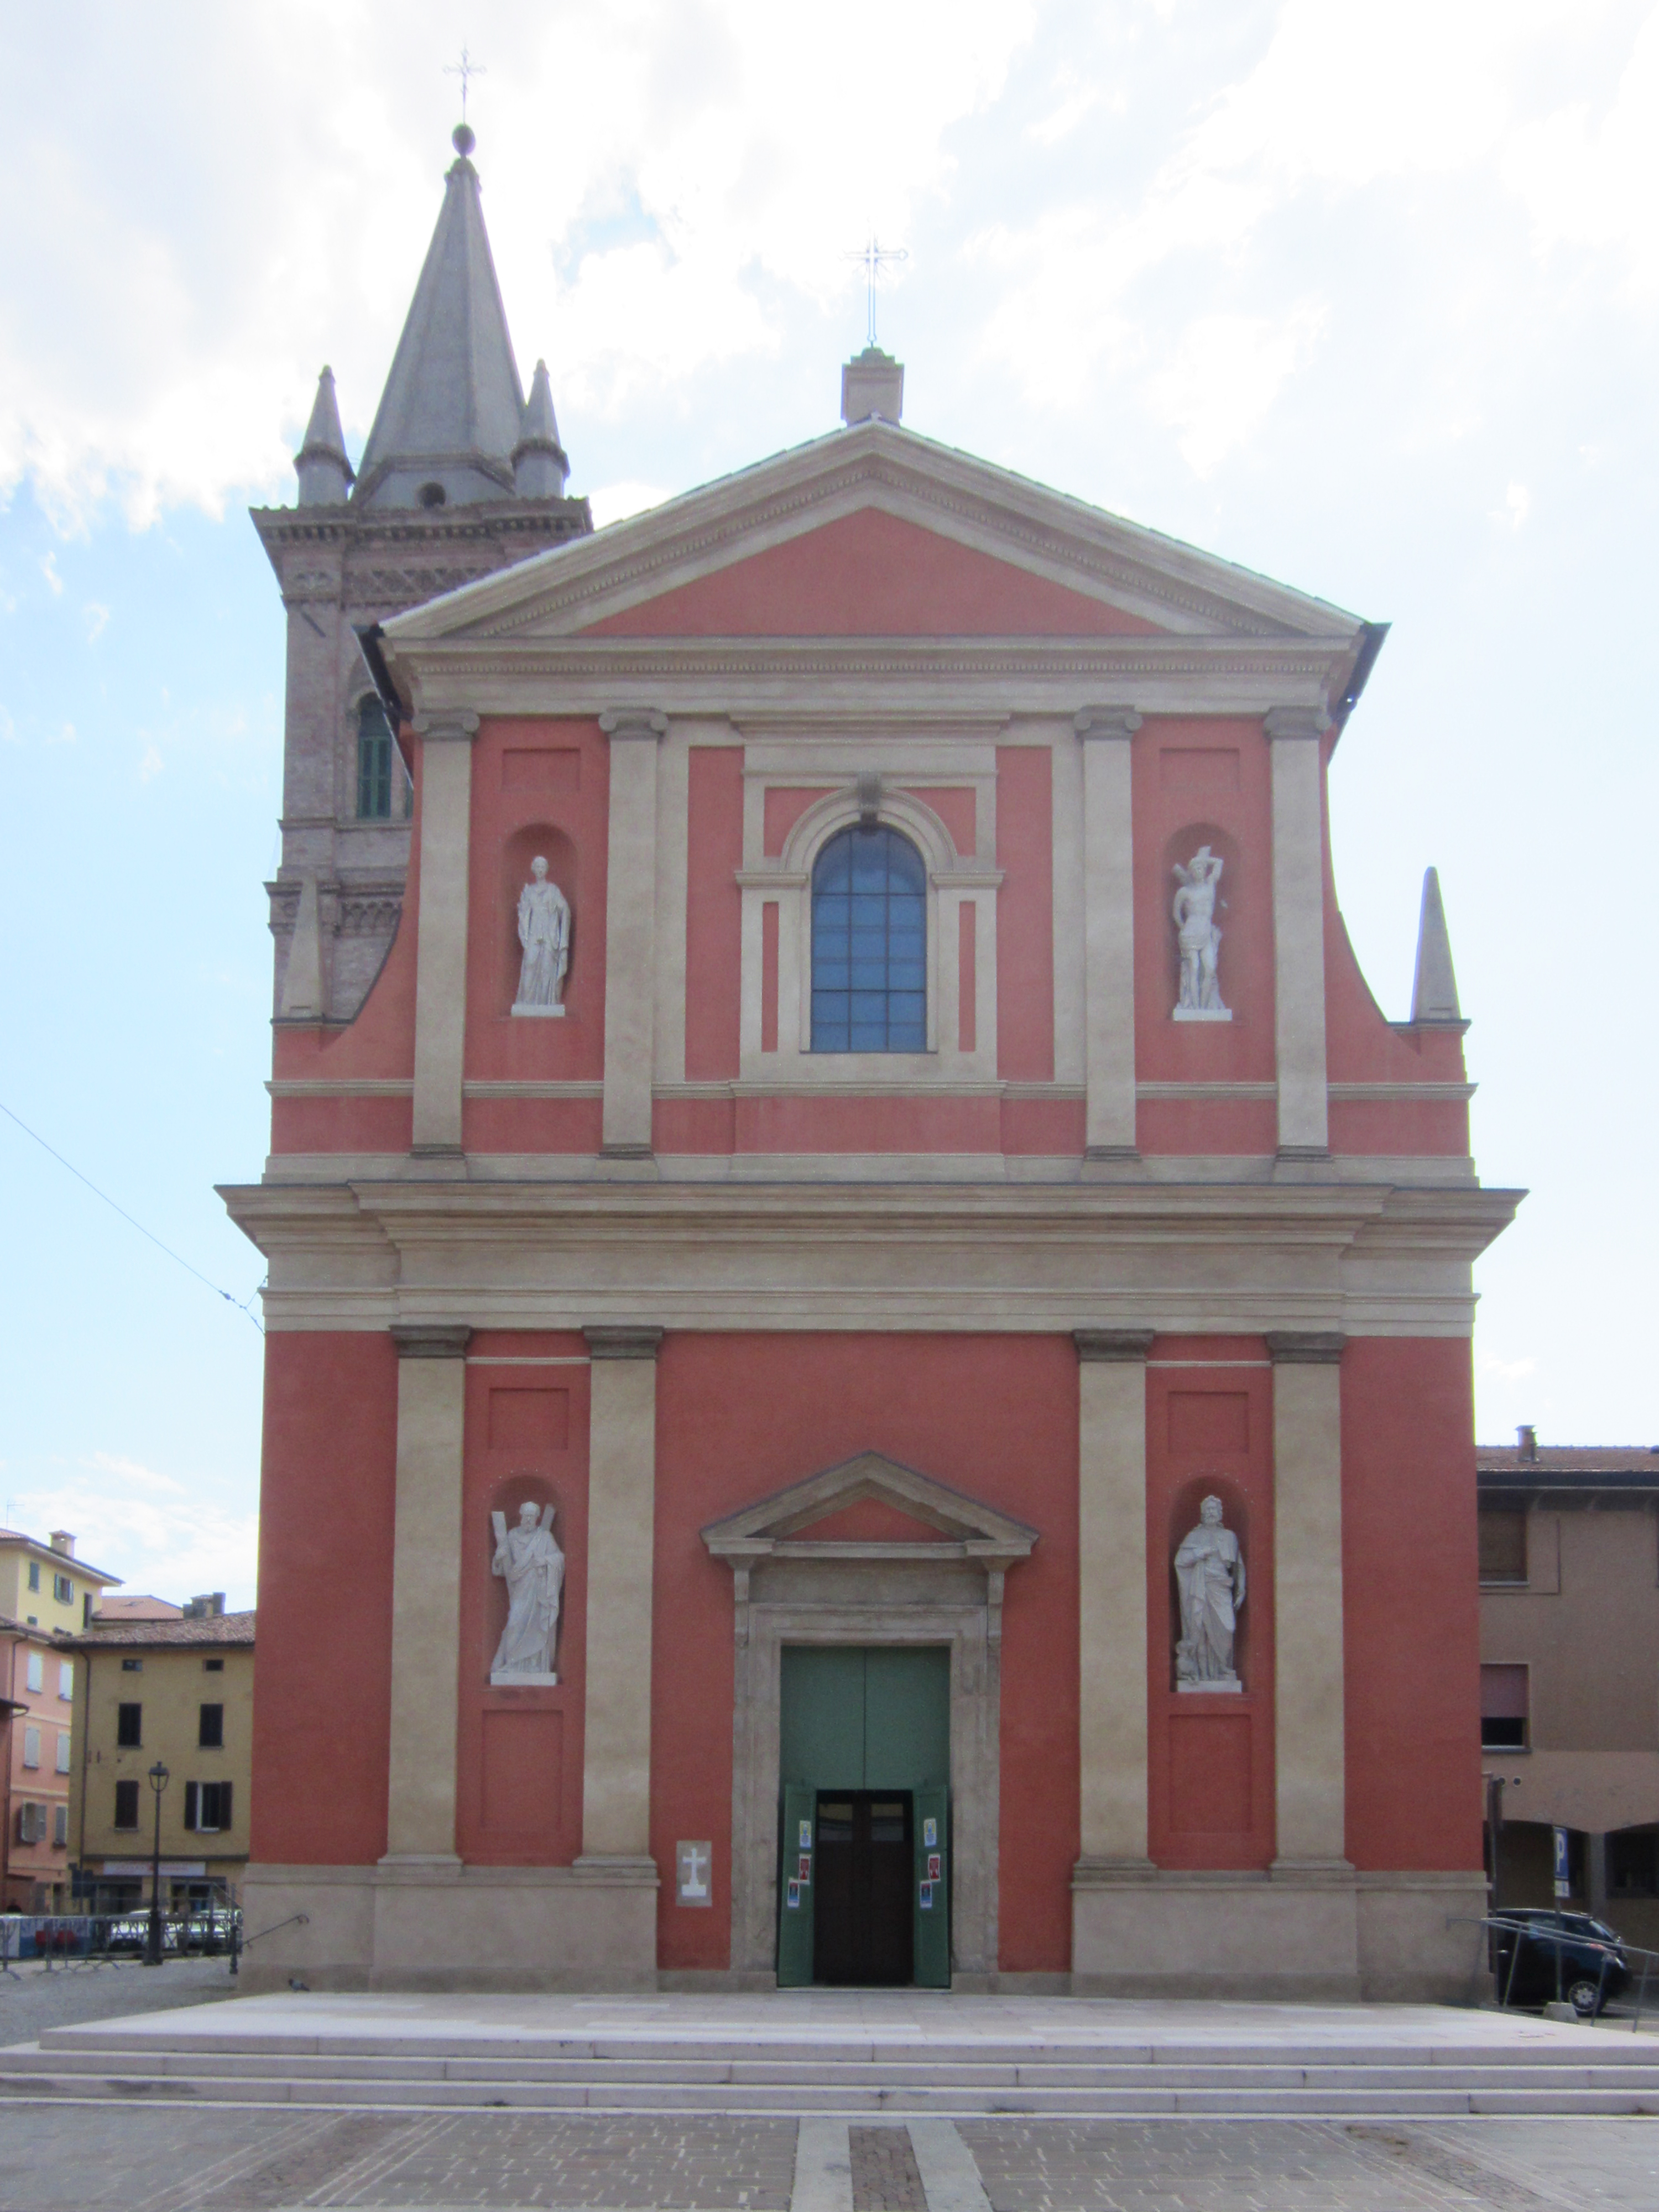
180, 1694
46, 1594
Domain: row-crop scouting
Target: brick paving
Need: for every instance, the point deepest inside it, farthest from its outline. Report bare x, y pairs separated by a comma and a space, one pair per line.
143, 2159
884, 2175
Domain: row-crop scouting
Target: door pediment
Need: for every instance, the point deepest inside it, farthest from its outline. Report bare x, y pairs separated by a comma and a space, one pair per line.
948, 1523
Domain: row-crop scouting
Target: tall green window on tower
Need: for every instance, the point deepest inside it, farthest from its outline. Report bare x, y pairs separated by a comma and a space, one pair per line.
378, 769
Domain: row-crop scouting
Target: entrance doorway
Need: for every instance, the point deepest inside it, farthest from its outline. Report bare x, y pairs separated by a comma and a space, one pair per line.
861, 1922
864, 1870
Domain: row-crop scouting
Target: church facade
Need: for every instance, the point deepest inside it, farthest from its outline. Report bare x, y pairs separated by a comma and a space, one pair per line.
868, 1375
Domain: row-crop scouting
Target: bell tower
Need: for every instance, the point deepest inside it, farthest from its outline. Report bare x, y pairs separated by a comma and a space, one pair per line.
461, 477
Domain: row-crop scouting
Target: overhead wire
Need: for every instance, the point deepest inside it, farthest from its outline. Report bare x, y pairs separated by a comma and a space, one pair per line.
242, 1306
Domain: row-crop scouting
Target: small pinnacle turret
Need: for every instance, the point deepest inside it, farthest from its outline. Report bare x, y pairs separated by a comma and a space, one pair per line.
1434, 992
540, 465
324, 472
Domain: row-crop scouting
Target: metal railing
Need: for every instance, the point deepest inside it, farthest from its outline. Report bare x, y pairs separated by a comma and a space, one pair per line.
85, 1938
1559, 1939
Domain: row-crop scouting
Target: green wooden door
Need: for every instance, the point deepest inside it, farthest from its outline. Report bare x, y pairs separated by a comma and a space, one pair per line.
854, 1719
933, 1887
795, 1889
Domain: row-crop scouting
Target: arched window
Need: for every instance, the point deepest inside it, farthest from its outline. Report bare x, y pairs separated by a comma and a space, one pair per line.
869, 945
379, 767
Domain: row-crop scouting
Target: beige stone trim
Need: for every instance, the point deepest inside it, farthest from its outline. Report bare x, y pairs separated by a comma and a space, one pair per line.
673, 864
426, 1593
1299, 929
440, 952
1108, 928
1309, 1671
631, 927
1112, 1592
621, 1533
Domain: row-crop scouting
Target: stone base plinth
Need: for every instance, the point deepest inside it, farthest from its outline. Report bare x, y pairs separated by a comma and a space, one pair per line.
444, 1926
1318, 1935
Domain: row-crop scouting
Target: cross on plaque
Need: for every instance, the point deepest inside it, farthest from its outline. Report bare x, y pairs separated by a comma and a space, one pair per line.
875, 258
694, 1859
467, 68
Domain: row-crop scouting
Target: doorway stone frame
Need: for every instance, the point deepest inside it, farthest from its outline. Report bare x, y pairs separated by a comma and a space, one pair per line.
788, 1588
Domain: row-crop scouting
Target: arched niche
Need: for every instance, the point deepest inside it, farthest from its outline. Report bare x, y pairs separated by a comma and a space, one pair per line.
505, 1497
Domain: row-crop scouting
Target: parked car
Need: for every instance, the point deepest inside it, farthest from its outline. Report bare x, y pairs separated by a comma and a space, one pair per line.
1525, 1945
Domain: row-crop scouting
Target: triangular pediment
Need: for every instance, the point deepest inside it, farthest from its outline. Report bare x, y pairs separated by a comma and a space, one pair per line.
820, 1516
873, 510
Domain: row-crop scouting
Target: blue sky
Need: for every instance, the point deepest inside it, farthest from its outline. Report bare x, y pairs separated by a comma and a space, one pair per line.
1362, 295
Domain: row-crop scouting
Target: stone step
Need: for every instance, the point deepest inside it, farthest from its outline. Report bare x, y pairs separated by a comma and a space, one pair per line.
1256, 2073
332, 2048
1245, 2099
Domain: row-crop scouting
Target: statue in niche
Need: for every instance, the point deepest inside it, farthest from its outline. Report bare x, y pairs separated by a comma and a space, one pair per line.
529, 1560
544, 934
1210, 1576
1199, 939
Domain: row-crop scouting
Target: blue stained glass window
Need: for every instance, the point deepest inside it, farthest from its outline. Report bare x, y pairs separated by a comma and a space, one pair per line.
869, 945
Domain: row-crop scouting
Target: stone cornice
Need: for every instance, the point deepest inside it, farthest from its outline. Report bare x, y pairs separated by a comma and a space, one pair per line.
1241, 1259
1112, 1347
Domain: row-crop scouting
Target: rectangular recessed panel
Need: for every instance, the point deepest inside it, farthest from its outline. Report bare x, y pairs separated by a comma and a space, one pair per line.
555, 771
528, 1420
1188, 768
1209, 1421
523, 1753
1210, 1774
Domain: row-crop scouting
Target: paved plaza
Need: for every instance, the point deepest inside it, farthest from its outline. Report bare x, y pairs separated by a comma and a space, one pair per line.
236, 2159
144, 2147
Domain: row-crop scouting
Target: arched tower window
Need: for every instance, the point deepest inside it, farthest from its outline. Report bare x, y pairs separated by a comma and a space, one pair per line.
869, 944
378, 764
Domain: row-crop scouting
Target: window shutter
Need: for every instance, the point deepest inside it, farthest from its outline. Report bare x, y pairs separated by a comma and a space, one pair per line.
66, 1679
60, 1823
35, 1672
30, 1746
62, 1751
224, 1804
192, 1800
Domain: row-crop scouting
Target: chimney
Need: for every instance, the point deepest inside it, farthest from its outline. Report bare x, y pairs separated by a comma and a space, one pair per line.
210, 1607
871, 383
1527, 1437
63, 1542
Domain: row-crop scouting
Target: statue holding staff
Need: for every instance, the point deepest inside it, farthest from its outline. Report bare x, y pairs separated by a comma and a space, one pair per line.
529, 1562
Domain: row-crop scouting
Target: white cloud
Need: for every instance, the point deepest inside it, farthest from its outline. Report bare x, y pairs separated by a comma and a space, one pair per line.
616, 502
749, 140
1506, 1370
96, 619
1517, 505
49, 570
151, 765
1226, 373
160, 1535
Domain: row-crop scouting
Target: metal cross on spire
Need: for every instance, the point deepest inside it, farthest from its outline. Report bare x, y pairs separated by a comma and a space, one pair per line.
467, 68
875, 258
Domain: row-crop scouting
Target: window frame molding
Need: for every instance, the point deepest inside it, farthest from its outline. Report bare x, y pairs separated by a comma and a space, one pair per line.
953, 881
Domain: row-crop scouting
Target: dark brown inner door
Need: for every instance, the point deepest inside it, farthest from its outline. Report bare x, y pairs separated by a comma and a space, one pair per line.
861, 1924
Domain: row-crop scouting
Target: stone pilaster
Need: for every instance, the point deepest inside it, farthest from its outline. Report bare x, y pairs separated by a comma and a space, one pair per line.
630, 930
622, 1481
1294, 735
1308, 1724
426, 1596
1108, 929
440, 947
1112, 1599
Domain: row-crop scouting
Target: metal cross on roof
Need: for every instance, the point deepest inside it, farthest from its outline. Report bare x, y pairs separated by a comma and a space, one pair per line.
465, 68
875, 258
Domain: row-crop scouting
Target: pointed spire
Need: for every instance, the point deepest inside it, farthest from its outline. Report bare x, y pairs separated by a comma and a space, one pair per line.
324, 472
451, 413
539, 462
1434, 994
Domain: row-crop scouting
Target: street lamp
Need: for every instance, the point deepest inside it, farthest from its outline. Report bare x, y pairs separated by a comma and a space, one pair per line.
158, 1779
